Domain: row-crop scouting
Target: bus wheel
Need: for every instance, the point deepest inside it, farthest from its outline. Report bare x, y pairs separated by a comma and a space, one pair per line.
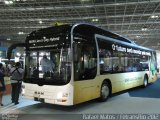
145, 81
105, 92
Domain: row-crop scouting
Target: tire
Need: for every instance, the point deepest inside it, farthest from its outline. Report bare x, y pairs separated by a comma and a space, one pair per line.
145, 82
105, 92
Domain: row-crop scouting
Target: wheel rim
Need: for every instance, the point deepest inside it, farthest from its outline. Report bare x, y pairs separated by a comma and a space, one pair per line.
105, 91
145, 82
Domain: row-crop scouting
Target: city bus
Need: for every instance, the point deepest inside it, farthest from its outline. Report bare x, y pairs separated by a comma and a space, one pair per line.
70, 64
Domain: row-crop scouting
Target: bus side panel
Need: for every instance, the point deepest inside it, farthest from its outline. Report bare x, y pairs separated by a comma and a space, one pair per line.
123, 81
86, 90
90, 89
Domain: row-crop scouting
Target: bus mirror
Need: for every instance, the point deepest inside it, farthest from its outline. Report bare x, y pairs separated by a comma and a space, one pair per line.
10, 49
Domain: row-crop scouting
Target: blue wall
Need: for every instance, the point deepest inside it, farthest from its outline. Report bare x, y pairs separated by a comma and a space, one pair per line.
5, 49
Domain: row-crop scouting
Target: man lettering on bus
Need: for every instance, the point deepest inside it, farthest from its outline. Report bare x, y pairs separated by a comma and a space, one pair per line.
17, 74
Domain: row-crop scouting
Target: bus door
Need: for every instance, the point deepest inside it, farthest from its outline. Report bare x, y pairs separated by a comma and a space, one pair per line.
85, 69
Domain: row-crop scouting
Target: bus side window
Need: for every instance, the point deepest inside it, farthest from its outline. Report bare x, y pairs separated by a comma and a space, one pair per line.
105, 58
145, 62
105, 61
118, 62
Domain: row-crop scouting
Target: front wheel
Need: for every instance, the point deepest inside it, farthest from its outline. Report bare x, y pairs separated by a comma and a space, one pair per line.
145, 81
105, 92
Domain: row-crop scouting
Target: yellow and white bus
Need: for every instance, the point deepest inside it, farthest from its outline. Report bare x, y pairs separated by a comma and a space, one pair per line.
82, 62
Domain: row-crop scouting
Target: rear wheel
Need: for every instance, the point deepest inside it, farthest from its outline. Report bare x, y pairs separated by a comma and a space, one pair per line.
145, 81
105, 92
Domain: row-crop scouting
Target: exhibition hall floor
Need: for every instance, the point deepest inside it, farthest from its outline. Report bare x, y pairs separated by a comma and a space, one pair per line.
137, 100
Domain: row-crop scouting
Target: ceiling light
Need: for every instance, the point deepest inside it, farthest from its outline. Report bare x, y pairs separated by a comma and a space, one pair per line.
95, 20
154, 16
40, 22
41, 54
20, 33
34, 53
44, 37
10, 2
18, 54
47, 54
8, 39
137, 36
7, 2
144, 29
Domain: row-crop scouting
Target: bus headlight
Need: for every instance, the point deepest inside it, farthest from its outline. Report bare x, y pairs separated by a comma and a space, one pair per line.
62, 95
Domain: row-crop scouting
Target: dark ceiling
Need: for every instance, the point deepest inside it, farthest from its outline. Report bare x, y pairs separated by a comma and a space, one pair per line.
136, 19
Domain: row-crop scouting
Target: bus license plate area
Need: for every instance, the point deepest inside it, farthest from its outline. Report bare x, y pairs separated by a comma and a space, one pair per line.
38, 95
39, 99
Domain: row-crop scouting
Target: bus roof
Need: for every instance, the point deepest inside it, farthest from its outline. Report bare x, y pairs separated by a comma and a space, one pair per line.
113, 36
95, 30
50, 30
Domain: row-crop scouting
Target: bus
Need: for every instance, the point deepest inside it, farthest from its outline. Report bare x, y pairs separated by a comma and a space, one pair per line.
71, 64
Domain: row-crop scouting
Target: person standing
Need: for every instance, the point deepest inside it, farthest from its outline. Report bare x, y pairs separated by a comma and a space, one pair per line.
46, 64
17, 74
2, 83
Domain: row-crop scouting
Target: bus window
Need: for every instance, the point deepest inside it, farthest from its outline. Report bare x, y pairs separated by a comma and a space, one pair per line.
105, 58
137, 63
144, 61
118, 62
53, 66
105, 61
86, 63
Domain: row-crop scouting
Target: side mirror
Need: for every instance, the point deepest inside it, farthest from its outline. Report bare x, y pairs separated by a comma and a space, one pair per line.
9, 51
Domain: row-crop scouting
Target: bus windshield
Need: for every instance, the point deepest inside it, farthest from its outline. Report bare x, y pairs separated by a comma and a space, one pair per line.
48, 67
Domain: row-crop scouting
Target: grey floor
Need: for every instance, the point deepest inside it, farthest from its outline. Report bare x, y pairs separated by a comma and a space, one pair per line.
138, 100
